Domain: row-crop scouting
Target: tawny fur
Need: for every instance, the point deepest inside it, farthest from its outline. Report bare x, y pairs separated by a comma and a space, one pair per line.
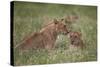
46, 37
76, 40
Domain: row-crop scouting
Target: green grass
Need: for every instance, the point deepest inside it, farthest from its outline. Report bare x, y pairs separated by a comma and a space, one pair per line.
30, 17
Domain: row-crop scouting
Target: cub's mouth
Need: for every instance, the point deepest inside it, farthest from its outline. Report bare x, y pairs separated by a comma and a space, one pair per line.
65, 33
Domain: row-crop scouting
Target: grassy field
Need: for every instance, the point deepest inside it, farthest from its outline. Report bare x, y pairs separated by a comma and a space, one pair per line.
30, 17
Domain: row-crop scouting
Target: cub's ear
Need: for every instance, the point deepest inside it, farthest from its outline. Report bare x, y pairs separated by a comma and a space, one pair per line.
55, 21
79, 33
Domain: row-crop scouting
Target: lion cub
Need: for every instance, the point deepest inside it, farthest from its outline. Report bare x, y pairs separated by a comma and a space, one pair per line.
46, 37
76, 40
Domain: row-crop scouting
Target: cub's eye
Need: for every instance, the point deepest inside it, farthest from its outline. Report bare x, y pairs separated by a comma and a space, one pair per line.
70, 36
64, 25
75, 36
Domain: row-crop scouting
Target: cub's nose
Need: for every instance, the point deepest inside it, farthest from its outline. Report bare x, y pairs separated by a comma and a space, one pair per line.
68, 31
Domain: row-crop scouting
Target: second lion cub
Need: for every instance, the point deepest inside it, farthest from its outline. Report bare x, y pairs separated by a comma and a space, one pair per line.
76, 40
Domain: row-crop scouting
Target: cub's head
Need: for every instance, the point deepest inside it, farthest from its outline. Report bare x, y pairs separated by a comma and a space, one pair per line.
60, 26
74, 35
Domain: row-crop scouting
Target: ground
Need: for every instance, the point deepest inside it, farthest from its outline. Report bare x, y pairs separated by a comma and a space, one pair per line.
30, 17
